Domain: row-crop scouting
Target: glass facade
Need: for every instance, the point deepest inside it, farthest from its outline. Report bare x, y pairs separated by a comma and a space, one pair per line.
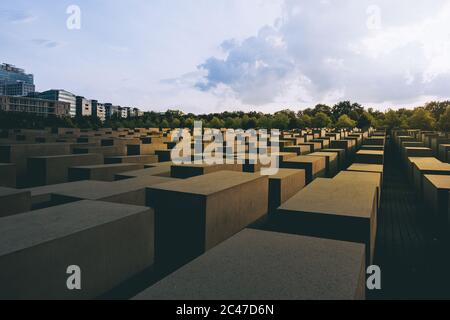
63, 96
14, 81
31, 105
11, 74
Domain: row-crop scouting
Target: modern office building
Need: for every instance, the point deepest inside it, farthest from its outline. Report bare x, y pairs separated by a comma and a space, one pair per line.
63, 96
14, 81
124, 112
11, 74
39, 107
111, 110
135, 113
19, 88
98, 109
84, 107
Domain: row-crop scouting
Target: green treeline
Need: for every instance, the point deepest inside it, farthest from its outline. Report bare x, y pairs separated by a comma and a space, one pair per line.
432, 116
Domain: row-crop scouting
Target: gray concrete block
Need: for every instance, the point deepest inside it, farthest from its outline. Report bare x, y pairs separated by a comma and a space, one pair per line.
430, 166
444, 150
160, 171
105, 151
145, 159
342, 157
36, 248
196, 214
8, 175
373, 178
334, 209
284, 185
46, 170
261, 265
128, 191
19, 153
144, 149
103, 172
331, 162
314, 166
436, 190
370, 156
185, 171
14, 201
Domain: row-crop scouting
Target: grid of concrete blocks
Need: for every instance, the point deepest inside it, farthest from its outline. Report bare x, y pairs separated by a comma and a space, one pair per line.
426, 159
138, 226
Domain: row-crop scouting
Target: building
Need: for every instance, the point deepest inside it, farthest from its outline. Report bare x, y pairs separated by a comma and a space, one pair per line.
39, 107
135, 113
14, 81
124, 112
84, 107
18, 89
60, 95
11, 74
111, 110
98, 109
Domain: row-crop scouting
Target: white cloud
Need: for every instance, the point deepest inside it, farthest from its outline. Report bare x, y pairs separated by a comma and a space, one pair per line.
330, 45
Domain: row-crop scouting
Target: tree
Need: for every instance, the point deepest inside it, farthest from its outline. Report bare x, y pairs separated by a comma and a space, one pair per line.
322, 108
422, 119
365, 121
280, 121
437, 108
345, 121
264, 122
252, 123
229, 122
321, 120
176, 123
216, 123
444, 121
304, 121
346, 107
164, 124
391, 120
189, 123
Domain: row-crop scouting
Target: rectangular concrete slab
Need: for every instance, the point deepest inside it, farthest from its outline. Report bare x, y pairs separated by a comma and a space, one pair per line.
161, 171
370, 156
105, 151
283, 185
8, 175
14, 201
298, 149
366, 167
144, 149
41, 197
128, 191
19, 153
374, 178
347, 145
314, 166
196, 214
436, 190
342, 158
336, 209
313, 146
145, 159
46, 170
444, 150
103, 172
36, 249
242, 268
432, 167
185, 171
331, 162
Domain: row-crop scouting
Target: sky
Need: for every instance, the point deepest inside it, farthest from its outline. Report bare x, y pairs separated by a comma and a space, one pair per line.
205, 56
